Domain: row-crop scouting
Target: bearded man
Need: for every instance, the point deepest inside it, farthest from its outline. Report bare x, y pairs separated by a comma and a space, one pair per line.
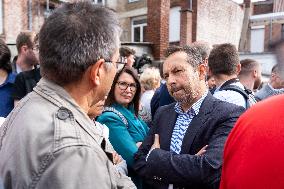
170, 157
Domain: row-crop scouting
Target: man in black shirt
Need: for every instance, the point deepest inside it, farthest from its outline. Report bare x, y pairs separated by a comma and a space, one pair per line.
27, 80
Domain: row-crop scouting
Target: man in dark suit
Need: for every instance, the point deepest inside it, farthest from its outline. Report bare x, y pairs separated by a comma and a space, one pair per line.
167, 157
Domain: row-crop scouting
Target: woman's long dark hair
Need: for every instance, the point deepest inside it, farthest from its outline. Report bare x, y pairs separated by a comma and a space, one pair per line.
5, 56
111, 99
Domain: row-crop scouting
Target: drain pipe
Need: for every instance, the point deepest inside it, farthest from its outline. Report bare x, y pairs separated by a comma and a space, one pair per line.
30, 22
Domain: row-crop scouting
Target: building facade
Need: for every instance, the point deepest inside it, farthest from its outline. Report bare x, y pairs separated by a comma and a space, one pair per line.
160, 23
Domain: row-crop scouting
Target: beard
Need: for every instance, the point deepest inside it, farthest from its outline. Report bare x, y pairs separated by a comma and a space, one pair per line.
31, 59
256, 84
185, 95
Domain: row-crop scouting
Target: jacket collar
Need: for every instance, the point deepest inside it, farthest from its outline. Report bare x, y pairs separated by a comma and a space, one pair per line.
61, 98
198, 122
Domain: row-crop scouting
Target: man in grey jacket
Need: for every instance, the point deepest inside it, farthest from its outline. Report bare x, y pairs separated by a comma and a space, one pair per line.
48, 141
274, 87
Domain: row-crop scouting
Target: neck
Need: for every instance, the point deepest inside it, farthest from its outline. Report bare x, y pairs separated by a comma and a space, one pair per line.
22, 64
3, 76
81, 95
222, 78
247, 82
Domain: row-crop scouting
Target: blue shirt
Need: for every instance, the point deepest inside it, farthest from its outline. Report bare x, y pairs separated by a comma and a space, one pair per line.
6, 100
183, 121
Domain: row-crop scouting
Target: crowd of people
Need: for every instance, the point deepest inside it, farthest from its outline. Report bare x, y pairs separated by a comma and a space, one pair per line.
76, 114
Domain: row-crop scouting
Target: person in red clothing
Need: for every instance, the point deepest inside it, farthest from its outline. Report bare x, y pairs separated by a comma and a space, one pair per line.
253, 155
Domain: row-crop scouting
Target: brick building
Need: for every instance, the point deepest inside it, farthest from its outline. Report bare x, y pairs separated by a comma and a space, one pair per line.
265, 24
164, 22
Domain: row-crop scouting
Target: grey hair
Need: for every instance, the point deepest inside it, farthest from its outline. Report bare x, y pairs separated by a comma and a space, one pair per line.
74, 37
194, 57
203, 47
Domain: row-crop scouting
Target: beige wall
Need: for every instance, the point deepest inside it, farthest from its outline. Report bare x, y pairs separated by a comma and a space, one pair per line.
219, 21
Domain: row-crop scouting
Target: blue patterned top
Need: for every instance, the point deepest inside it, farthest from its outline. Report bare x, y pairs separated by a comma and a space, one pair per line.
183, 121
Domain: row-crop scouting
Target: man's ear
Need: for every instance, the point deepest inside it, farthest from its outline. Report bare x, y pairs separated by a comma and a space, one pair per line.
255, 73
239, 67
97, 72
202, 71
24, 48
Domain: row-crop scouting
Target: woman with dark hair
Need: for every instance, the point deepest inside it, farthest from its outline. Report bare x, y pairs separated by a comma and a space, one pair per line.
126, 128
7, 79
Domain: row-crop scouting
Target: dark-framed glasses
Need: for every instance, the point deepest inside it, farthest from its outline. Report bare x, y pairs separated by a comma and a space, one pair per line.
124, 85
121, 61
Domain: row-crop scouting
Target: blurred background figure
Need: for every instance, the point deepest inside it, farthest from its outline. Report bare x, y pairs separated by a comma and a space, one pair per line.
7, 79
126, 129
150, 80
253, 155
93, 113
211, 84
129, 54
27, 80
274, 87
26, 59
250, 74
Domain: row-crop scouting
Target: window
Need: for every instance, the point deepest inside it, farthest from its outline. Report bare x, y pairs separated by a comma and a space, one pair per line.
102, 2
130, 1
257, 39
138, 30
174, 24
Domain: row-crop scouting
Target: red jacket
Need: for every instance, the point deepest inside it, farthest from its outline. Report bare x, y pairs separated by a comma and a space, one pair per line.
254, 151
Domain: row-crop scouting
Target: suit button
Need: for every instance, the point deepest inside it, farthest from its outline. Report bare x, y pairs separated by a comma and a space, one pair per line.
62, 114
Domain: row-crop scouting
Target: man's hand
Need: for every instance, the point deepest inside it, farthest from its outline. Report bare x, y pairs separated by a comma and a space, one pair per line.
201, 151
138, 144
156, 143
116, 158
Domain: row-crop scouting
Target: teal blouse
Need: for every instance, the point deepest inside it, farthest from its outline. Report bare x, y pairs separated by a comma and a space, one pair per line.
122, 138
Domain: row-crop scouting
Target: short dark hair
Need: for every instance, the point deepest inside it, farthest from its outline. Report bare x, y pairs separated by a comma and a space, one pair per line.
126, 51
275, 69
248, 65
194, 57
74, 37
136, 99
24, 38
224, 59
5, 57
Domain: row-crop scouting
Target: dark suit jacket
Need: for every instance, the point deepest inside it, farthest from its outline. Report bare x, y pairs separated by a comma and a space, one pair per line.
211, 126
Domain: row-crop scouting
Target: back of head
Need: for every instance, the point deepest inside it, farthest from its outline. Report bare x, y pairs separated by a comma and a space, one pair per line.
74, 37
150, 78
5, 56
224, 59
247, 66
126, 51
203, 47
24, 38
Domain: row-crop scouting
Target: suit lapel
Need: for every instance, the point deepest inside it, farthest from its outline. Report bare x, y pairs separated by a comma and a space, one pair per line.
167, 126
197, 123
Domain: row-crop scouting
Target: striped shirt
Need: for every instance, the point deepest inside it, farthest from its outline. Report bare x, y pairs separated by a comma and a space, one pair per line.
183, 122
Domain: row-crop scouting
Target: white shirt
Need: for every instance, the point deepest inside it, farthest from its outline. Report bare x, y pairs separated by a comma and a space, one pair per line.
231, 96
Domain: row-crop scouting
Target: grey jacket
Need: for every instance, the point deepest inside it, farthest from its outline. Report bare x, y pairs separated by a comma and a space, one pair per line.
267, 91
49, 142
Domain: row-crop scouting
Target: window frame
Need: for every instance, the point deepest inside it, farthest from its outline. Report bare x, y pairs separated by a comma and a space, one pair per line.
141, 26
96, 2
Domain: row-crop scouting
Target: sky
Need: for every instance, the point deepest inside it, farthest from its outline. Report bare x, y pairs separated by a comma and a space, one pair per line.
241, 1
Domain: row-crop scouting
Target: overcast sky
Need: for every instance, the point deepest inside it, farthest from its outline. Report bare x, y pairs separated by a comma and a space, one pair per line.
241, 1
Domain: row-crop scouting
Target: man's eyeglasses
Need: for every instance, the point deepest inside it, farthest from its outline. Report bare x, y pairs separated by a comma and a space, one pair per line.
123, 86
120, 61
